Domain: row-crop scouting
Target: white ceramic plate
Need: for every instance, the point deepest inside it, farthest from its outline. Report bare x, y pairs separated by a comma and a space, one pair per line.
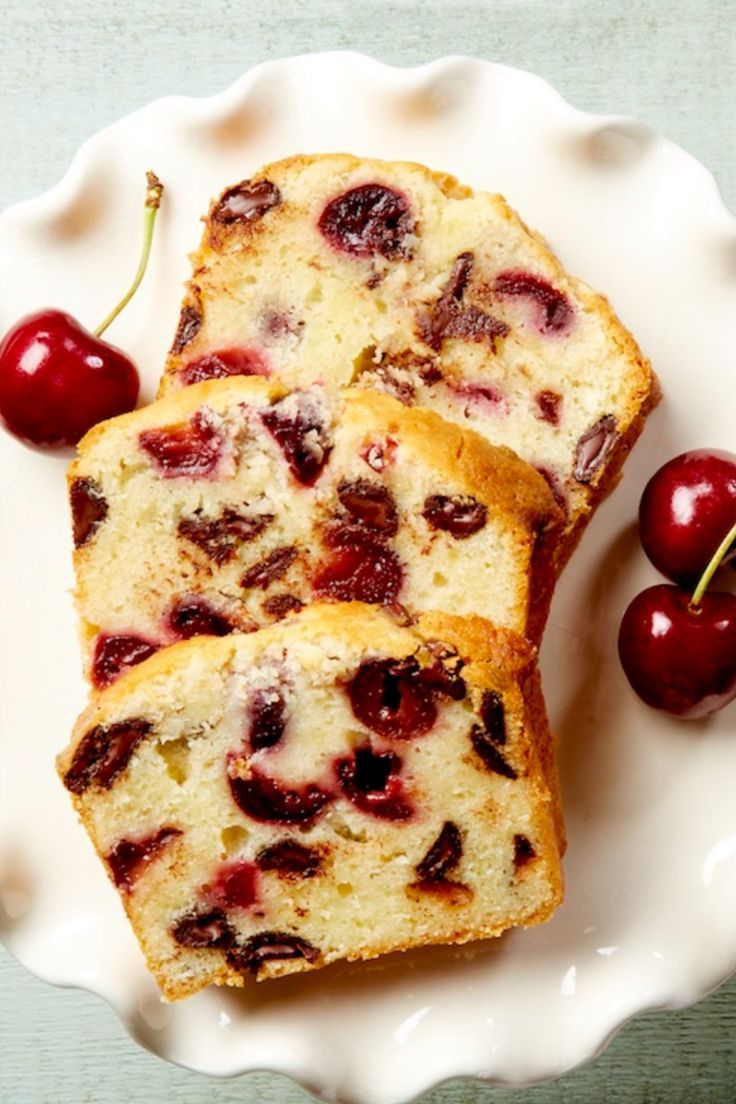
650, 914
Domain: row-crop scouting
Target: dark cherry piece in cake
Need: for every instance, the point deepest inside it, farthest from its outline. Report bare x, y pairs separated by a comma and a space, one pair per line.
266, 718
103, 754
460, 515
129, 858
236, 361
367, 220
290, 859
555, 312
246, 202
192, 449
264, 799
195, 617
371, 780
273, 566
593, 448
220, 537
391, 698
89, 509
269, 946
298, 427
114, 654
443, 856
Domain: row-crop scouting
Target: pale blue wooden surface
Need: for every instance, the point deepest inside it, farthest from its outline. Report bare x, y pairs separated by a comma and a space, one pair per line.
67, 69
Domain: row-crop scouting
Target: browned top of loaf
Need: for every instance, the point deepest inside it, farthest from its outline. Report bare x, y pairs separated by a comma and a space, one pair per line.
219, 238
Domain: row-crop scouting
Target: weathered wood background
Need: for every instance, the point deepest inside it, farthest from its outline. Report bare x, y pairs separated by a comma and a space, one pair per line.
67, 68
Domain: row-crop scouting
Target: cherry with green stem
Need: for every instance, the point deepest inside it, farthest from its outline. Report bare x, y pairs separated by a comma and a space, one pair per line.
718, 557
679, 651
58, 379
686, 508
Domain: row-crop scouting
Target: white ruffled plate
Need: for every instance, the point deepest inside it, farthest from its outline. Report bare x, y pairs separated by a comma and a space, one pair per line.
650, 914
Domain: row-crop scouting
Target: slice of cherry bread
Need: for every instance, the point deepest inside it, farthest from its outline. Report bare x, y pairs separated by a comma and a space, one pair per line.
333, 787
387, 275
230, 503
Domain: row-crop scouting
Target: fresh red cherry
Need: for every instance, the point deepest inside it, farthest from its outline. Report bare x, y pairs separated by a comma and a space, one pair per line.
687, 508
57, 379
679, 657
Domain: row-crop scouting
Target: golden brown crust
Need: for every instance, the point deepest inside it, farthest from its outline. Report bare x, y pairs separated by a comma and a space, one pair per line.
177, 407
642, 381
609, 477
497, 657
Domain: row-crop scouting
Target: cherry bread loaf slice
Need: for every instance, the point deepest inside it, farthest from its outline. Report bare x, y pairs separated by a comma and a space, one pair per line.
228, 504
334, 787
387, 275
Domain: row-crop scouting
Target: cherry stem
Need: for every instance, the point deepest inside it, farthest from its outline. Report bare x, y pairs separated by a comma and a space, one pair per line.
154, 191
715, 563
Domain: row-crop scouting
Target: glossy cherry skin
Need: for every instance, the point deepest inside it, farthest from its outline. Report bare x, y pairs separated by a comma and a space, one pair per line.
57, 379
686, 510
677, 658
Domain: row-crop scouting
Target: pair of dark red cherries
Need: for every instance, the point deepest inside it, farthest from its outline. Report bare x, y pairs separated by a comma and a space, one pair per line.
677, 644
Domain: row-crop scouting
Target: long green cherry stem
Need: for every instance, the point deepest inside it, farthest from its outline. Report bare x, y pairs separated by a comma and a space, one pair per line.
154, 191
713, 566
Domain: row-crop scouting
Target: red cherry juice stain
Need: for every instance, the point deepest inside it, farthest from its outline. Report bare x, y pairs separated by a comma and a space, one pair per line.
247, 360
482, 398
549, 405
192, 449
553, 312
360, 570
234, 886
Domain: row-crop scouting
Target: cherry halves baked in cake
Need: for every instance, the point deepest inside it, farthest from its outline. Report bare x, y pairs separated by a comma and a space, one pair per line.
332, 787
234, 502
387, 275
